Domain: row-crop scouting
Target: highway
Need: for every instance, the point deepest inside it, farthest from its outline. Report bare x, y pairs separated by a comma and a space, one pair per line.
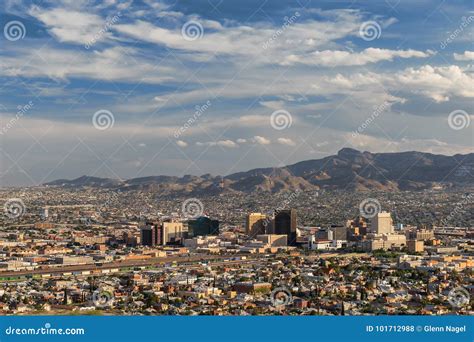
126, 264
218, 260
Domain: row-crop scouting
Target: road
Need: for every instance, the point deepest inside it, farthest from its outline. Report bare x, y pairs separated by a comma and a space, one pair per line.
160, 261
124, 264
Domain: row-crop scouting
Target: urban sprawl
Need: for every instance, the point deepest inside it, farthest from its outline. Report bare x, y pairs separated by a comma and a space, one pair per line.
93, 251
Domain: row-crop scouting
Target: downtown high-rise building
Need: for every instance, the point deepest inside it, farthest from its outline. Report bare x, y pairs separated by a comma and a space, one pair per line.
256, 224
285, 224
151, 234
203, 226
174, 232
382, 223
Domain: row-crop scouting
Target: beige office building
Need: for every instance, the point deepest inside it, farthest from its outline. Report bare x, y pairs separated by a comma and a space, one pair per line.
385, 242
382, 223
420, 234
273, 240
173, 232
415, 246
256, 224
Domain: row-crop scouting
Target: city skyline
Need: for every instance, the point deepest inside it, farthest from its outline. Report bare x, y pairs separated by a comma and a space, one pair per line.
124, 90
99, 252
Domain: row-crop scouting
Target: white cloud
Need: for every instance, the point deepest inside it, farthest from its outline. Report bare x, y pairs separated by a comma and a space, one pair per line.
302, 36
273, 104
437, 83
466, 56
227, 143
71, 26
158, 6
286, 141
117, 63
261, 140
181, 143
334, 58
222, 143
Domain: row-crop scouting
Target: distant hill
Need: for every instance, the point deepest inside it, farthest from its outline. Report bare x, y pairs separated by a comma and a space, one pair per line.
350, 169
86, 181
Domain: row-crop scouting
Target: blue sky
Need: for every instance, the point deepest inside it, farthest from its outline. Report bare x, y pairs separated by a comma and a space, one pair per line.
191, 86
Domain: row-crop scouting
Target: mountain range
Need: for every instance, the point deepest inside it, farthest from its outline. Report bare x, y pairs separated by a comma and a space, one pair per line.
349, 170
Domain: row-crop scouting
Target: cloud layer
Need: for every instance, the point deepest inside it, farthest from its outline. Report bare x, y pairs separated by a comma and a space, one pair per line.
194, 89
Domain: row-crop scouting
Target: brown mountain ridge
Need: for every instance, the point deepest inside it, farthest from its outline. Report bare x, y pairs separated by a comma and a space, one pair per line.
349, 170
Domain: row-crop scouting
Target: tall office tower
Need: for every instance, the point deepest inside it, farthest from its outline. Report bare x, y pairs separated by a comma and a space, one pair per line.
147, 235
203, 226
151, 234
382, 223
256, 224
173, 232
285, 224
